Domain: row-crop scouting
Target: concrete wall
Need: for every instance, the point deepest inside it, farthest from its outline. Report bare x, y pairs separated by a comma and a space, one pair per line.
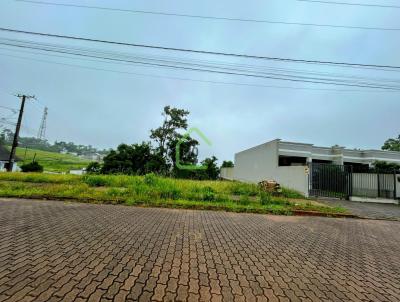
261, 163
258, 163
227, 173
293, 177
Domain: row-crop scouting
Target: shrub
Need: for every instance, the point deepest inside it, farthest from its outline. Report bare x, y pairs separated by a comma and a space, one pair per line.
32, 167
93, 167
95, 181
208, 194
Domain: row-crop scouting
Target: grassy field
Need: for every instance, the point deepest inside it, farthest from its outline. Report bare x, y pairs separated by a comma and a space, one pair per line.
151, 190
52, 161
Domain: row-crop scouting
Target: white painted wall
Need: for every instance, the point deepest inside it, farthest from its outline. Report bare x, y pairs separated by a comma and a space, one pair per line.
257, 163
261, 163
227, 173
293, 177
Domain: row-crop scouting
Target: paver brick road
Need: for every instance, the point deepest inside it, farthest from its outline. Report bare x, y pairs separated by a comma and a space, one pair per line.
55, 251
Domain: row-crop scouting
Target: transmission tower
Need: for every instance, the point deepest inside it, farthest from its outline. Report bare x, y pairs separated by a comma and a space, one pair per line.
42, 130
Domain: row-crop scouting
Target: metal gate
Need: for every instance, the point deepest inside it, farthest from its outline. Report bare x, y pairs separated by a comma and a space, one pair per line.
375, 184
339, 181
327, 180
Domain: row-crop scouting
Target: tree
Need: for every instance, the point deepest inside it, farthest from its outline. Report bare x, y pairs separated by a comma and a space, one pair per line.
93, 167
227, 164
165, 135
7, 135
385, 166
392, 144
187, 155
212, 171
136, 159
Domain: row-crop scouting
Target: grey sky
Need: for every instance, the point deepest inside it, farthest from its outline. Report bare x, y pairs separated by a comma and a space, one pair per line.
105, 108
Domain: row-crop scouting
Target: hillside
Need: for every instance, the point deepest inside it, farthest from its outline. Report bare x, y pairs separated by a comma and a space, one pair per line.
51, 161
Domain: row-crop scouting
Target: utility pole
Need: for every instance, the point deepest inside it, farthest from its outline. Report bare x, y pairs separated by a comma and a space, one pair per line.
16, 134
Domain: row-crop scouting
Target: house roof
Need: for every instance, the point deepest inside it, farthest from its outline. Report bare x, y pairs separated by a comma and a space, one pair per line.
5, 154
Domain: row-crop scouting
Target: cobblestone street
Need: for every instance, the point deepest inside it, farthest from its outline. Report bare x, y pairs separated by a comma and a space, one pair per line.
56, 251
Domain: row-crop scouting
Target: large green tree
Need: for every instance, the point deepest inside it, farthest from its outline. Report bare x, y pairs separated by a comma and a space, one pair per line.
167, 135
136, 159
392, 144
187, 155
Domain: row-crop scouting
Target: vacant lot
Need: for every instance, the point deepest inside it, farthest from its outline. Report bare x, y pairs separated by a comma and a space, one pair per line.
53, 251
52, 161
151, 190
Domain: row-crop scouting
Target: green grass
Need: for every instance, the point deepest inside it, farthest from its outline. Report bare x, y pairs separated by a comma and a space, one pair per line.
52, 161
151, 190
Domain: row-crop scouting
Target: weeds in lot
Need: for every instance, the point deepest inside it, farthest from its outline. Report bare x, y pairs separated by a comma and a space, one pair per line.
152, 190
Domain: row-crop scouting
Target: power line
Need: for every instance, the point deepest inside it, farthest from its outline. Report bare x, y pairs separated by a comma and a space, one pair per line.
188, 79
281, 77
9, 108
87, 52
105, 55
205, 17
343, 64
218, 63
347, 3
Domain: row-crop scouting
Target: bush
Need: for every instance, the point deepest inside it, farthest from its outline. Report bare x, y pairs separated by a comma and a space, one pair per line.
95, 181
208, 194
32, 167
93, 167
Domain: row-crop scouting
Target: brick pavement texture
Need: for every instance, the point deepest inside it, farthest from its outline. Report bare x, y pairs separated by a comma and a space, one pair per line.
55, 251
367, 209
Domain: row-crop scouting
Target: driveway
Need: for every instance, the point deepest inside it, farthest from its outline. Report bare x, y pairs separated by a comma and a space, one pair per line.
53, 251
367, 209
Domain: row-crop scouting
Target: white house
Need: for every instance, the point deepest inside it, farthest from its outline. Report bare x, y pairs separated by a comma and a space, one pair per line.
287, 162
4, 156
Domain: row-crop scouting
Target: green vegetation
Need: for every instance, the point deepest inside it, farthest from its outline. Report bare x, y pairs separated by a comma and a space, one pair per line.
153, 190
168, 148
227, 164
7, 136
392, 144
51, 161
33, 166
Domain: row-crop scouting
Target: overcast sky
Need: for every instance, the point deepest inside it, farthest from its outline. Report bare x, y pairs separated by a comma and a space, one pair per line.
104, 108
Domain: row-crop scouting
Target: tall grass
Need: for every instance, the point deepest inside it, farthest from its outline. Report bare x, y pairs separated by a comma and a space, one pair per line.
52, 161
147, 190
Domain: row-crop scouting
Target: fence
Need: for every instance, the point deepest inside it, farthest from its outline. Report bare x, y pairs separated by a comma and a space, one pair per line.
329, 180
340, 181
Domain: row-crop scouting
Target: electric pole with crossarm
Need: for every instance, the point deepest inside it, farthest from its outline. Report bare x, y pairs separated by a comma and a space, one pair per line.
10, 164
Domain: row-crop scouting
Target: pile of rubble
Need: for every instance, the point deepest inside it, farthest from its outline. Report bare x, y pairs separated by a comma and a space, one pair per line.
270, 186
